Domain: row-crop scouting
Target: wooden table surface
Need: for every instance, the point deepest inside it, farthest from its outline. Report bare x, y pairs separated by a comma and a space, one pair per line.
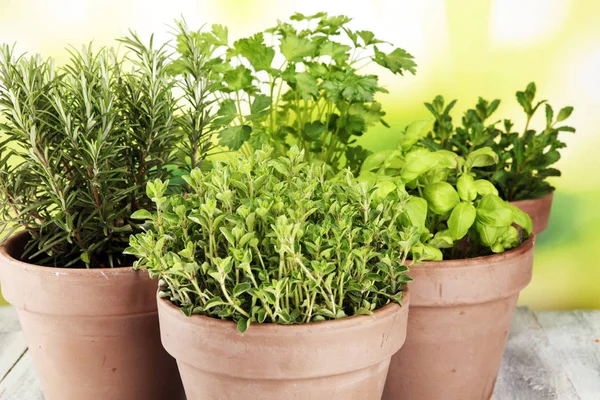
550, 355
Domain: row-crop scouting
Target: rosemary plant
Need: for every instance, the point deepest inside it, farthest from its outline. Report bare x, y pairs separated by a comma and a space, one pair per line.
79, 143
272, 240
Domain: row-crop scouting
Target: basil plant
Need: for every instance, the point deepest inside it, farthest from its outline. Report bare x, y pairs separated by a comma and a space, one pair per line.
458, 215
271, 240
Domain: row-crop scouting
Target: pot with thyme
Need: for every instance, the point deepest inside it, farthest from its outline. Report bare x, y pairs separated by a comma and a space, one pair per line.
277, 283
79, 143
478, 255
525, 158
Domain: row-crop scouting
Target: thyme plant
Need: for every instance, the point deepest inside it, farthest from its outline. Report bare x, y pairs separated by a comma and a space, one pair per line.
458, 215
78, 144
525, 158
262, 239
299, 83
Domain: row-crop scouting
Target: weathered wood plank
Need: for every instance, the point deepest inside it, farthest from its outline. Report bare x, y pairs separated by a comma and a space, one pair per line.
549, 355
530, 369
575, 336
12, 342
21, 383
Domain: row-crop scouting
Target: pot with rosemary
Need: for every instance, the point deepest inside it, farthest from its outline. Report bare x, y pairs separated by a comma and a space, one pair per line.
79, 142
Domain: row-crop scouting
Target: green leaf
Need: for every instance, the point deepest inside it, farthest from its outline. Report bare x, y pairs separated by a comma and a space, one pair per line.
228, 235
482, 157
566, 129
484, 187
241, 288
430, 253
521, 98
295, 49
564, 114
306, 85
425, 161
521, 218
467, 190
488, 234
384, 188
301, 17
214, 302
239, 78
221, 34
243, 324
141, 214
442, 240
337, 51
313, 130
549, 115
256, 51
551, 157
85, 257
441, 197
493, 211
461, 219
363, 311
235, 136
416, 211
368, 38
227, 113
383, 159
260, 105
398, 61
413, 133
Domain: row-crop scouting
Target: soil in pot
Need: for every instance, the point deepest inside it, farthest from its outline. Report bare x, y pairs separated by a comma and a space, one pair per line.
340, 359
538, 210
93, 334
460, 316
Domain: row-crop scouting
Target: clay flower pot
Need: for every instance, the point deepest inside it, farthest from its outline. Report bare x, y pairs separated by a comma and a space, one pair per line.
538, 210
341, 359
460, 316
92, 333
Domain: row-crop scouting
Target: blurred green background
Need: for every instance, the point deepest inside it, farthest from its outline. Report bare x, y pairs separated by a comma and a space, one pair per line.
464, 49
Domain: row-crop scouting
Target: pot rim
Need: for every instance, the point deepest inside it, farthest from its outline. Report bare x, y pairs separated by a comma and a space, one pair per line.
12, 241
513, 253
529, 201
267, 329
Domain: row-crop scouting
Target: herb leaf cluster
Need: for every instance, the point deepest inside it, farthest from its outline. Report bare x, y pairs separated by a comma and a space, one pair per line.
458, 215
263, 239
306, 89
525, 158
79, 143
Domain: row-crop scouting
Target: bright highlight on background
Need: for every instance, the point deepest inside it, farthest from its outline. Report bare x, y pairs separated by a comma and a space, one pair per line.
464, 49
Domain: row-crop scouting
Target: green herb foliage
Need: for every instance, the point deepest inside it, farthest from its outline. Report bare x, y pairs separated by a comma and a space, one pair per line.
306, 89
197, 82
525, 158
79, 143
272, 240
459, 215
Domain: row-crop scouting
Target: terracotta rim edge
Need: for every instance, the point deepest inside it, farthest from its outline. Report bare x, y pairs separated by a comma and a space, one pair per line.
257, 329
513, 253
11, 242
532, 201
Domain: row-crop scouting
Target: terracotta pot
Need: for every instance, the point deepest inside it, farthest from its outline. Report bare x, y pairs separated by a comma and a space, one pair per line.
460, 316
92, 333
538, 210
342, 359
